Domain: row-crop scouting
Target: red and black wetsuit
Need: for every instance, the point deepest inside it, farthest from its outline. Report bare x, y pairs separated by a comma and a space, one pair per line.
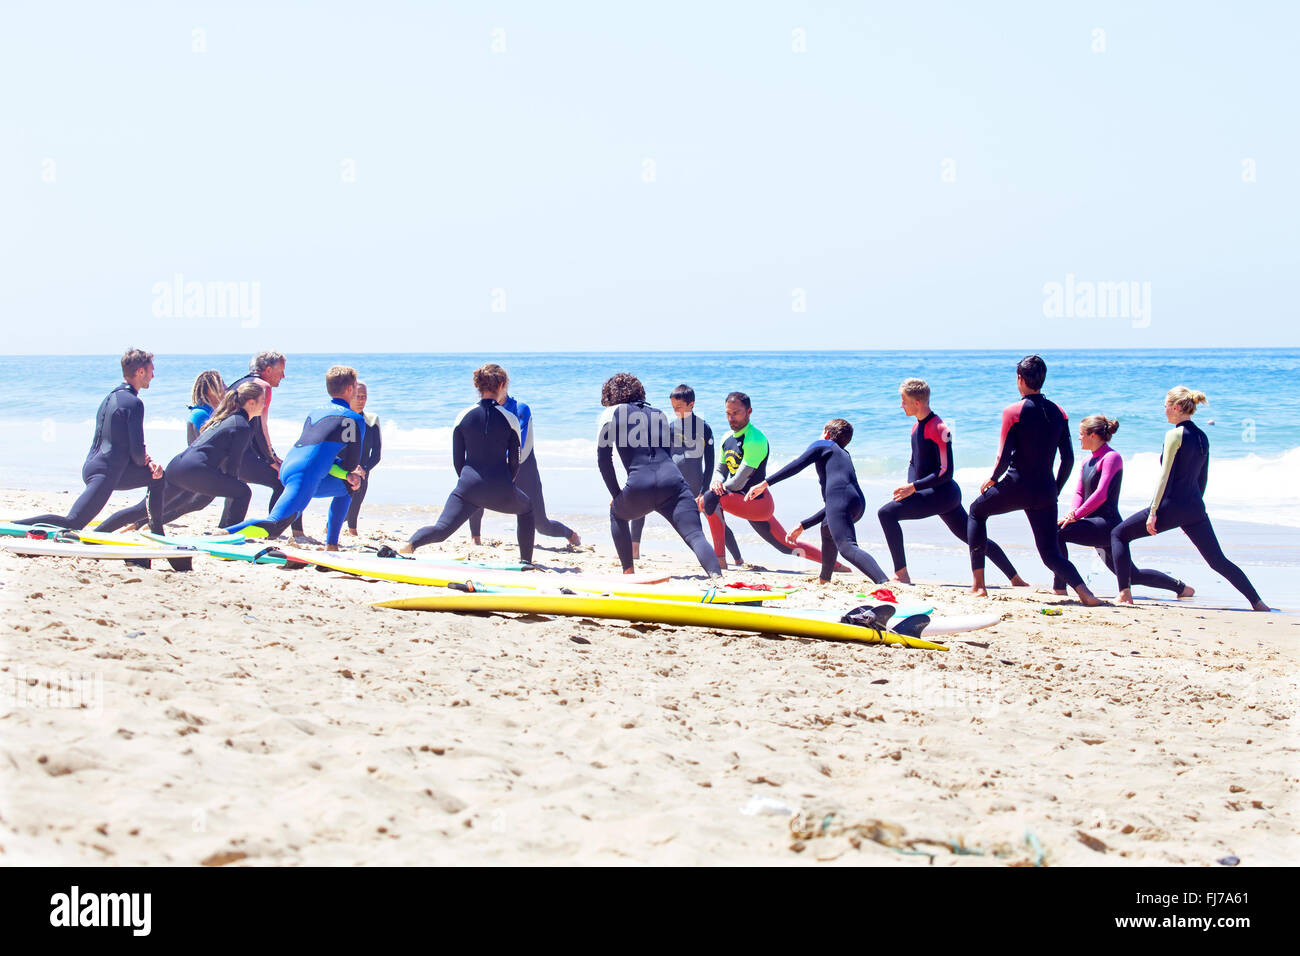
930, 471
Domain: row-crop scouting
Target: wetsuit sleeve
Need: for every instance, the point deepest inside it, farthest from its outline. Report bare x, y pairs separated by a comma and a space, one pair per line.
799, 464
1066, 448
458, 448
756, 451
1173, 441
937, 433
349, 456
1106, 472
1204, 478
512, 454
708, 447
525, 416
1010, 418
376, 447
605, 455
135, 432
238, 445
815, 520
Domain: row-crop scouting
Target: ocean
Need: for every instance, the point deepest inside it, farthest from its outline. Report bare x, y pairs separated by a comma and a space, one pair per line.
1253, 494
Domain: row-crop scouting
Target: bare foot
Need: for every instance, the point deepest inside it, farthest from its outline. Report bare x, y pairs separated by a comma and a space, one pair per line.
978, 591
1125, 596
406, 549
351, 531
902, 577
476, 540
1261, 606
574, 540
331, 547
823, 580
629, 571
1088, 598
1187, 591
1059, 591
1019, 582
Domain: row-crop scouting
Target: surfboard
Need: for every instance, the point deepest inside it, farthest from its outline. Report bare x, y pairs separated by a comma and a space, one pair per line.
215, 546
67, 549
9, 529
938, 626
641, 610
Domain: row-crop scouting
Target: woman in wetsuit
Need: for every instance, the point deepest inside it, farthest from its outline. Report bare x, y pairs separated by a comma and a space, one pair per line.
844, 503
643, 438
208, 392
1094, 513
1179, 501
485, 453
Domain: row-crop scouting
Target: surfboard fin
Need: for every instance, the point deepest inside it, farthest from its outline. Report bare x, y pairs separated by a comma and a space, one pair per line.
873, 617
912, 626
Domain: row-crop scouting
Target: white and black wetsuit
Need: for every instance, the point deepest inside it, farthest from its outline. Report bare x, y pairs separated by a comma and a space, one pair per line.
208, 469
116, 462
485, 454
654, 483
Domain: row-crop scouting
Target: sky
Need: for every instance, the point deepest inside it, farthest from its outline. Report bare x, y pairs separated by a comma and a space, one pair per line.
429, 177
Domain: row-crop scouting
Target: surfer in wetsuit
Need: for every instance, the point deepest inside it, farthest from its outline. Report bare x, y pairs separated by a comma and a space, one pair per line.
843, 501
1094, 512
117, 460
1179, 501
642, 436
529, 479
692, 452
371, 450
485, 445
930, 490
261, 465
744, 464
1033, 431
321, 464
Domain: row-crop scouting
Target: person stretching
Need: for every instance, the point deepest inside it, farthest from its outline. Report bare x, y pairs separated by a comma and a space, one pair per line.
321, 464
1033, 431
485, 453
117, 460
744, 464
844, 503
529, 479
930, 489
208, 391
643, 438
371, 450
1179, 501
692, 450
1094, 513
261, 464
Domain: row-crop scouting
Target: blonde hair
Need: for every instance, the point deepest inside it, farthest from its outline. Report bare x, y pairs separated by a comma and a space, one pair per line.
915, 388
1100, 425
1185, 399
338, 378
207, 383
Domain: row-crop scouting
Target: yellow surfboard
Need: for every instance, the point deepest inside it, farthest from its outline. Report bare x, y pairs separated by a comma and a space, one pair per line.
641, 610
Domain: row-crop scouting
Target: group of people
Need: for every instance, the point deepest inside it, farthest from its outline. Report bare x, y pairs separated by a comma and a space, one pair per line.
668, 464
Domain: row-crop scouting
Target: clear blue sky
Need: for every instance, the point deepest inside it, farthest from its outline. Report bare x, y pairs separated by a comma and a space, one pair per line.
523, 170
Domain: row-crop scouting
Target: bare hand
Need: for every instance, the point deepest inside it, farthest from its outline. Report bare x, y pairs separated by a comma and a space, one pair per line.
1151, 524
155, 469
1068, 519
793, 536
354, 481
757, 490
904, 492
717, 489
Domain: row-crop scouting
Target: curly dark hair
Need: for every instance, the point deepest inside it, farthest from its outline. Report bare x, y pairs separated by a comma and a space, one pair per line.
621, 388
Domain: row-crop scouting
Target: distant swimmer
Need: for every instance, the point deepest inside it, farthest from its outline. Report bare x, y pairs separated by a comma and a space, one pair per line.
1033, 431
371, 451
1094, 512
485, 444
1178, 501
529, 479
117, 460
693, 453
844, 503
744, 464
321, 464
261, 464
930, 490
642, 436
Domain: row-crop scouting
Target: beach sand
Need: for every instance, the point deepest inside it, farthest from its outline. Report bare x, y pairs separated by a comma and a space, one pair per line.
252, 715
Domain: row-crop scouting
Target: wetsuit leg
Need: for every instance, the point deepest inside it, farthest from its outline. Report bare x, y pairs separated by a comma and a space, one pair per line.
358, 496
101, 482
476, 523
471, 494
288, 508
838, 525
529, 481
998, 500
1092, 531
256, 470
760, 513
829, 552
1127, 531
455, 513
1042, 522
957, 522
683, 514
1203, 537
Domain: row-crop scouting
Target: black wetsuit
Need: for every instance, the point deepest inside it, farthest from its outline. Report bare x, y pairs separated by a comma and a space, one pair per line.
692, 452
371, 448
930, 471
257, 468
485, 454
844, 506
116, 462
641, 434
206, 470
1033, 431
1179, 503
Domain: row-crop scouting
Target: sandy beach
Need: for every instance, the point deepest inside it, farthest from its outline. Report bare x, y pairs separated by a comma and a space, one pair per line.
252, 715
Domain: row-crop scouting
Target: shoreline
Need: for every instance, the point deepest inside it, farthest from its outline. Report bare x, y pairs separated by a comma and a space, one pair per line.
259, 716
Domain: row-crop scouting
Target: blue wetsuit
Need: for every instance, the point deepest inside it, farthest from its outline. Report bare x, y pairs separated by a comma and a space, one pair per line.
485, 454
844, 506
116, 462
528, 479
316, 467
198, 417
